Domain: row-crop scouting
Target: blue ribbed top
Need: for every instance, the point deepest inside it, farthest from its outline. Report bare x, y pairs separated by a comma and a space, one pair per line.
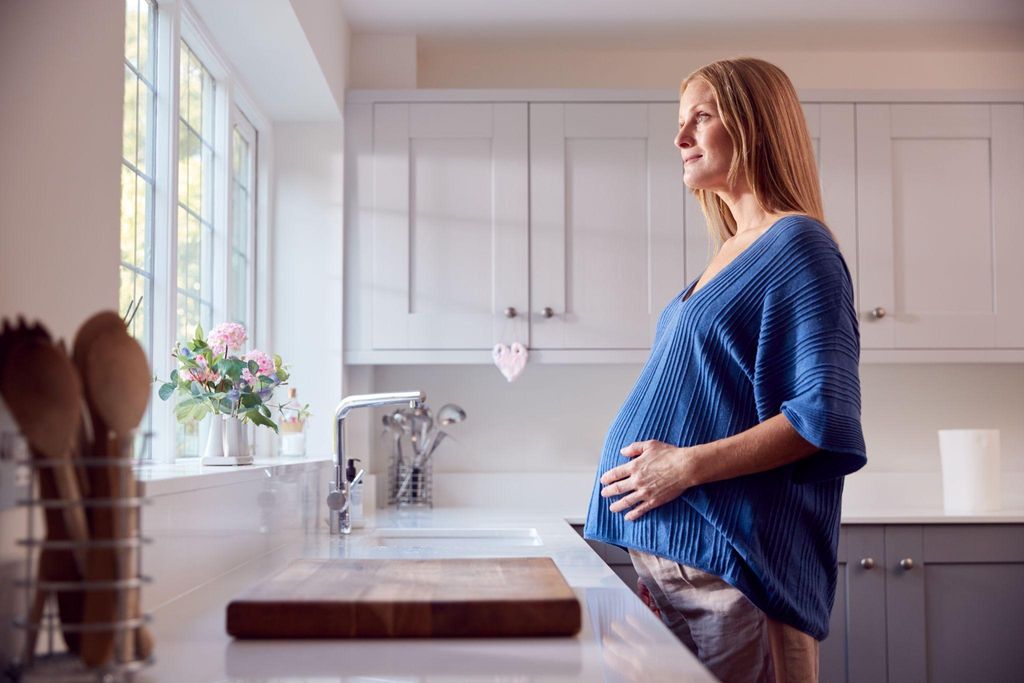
774, 331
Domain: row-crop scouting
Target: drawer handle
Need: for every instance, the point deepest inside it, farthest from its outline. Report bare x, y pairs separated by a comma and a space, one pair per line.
868, 563
878, 313
511, 312
548, 312
907, 563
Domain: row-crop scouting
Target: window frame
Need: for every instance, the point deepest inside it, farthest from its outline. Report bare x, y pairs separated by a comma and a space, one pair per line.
178, 21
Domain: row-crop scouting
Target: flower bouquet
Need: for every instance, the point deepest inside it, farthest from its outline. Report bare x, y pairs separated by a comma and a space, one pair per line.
212, 378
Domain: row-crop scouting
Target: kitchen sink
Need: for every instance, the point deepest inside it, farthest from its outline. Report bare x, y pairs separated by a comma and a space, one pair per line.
455, 538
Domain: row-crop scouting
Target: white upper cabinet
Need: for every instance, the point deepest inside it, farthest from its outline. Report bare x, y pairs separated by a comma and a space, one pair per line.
449, 231
941, 225
560, 220
832, 133
606, 223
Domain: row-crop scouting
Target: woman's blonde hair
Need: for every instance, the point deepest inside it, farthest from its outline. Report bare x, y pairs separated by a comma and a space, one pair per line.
760, 110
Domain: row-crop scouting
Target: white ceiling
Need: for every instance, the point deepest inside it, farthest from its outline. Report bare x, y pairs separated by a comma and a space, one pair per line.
703, 24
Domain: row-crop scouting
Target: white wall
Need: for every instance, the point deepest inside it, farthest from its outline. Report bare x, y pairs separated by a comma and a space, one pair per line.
61, 87
328, 34
554, 419
306, 271
61, 79
383, 61
594, 67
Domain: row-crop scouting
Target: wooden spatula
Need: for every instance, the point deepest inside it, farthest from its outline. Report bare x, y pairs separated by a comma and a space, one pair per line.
117, 402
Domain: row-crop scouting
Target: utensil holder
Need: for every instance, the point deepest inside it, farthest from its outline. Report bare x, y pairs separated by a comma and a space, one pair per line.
47, 660
419, 490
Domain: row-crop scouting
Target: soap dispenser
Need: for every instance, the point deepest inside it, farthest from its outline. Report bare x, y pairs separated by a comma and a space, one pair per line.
355, 494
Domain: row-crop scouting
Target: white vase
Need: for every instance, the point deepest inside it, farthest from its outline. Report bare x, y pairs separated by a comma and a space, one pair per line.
226, 442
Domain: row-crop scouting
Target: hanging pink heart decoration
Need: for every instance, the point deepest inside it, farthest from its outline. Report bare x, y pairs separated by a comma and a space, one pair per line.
510, 360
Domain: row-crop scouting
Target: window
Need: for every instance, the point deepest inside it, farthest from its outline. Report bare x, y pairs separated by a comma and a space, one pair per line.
241, 283
189, 209
137, 170
195, 195
196, 109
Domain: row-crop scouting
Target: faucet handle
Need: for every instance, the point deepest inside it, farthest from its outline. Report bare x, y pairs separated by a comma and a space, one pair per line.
336, 499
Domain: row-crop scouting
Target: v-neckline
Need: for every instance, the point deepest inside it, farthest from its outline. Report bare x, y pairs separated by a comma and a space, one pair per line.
688, 293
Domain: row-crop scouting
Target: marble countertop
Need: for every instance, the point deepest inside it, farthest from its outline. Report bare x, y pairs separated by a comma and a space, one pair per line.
620, 639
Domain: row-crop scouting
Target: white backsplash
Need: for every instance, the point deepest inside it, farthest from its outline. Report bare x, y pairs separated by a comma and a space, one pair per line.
554, 418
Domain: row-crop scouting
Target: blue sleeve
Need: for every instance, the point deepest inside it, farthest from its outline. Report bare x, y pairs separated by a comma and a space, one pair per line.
808, 354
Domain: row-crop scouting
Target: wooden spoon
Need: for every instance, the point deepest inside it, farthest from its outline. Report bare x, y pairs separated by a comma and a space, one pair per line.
95, 326
42, 391
117, 382
55, 565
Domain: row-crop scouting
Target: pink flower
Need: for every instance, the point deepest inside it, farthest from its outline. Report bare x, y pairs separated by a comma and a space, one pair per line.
227, 337
264, 361
203, 373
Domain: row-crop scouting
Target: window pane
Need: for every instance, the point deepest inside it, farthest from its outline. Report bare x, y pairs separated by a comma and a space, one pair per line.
131, 32
142, 203
183, 71
129, 128
142, 120
147, 31
239, 271
182, 246
136, 271
241, 222
187, 440
195, 175
184, 141
240, 294
128, 215
133, 293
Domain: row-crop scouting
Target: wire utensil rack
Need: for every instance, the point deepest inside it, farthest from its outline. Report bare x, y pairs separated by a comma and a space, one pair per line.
410, 481
53, 623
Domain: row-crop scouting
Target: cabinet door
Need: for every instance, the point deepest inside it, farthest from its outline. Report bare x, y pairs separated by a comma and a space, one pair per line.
958, 610
606, 223
449, 225
854, 651
831, 127
941, 225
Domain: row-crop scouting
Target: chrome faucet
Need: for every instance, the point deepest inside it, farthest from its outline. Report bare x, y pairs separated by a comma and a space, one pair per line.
338, 497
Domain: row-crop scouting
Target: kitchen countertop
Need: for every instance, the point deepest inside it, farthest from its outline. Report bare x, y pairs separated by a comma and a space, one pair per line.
868, 498
620, 640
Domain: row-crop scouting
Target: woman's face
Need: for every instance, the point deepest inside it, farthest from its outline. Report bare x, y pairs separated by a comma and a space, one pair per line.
703, 142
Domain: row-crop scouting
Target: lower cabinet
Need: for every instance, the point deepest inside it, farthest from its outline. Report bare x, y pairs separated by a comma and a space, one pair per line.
928, 602
918, 602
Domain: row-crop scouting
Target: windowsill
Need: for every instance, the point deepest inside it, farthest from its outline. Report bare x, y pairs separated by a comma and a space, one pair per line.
186, 474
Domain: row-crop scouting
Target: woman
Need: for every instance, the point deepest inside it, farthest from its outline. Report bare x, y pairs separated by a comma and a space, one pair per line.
723, 471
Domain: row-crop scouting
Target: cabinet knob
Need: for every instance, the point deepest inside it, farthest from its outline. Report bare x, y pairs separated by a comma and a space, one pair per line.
548, 312
878, 313
907, 563
868, 563
511, 312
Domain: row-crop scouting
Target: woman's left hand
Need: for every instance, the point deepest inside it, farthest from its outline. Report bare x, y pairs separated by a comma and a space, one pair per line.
657, 474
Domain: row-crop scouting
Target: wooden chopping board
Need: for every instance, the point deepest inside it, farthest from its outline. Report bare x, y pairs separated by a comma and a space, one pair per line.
430, 598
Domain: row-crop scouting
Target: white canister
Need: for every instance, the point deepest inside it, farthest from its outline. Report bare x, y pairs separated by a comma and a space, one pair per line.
970, 470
